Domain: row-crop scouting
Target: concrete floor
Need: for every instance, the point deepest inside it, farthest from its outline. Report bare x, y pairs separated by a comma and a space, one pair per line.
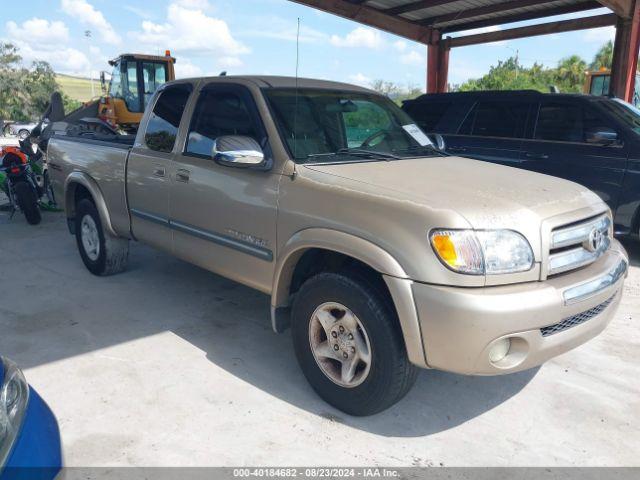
167, 364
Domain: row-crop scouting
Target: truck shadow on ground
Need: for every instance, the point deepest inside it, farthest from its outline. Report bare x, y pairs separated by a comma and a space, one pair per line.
438, 401
235, 332
75, 313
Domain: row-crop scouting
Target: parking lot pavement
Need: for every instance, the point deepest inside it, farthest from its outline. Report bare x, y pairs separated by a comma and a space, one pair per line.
168, 364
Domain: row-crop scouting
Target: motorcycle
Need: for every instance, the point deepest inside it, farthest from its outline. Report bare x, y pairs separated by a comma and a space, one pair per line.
19, 183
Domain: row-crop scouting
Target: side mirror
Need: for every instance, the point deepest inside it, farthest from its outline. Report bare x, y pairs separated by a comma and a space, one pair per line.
103, 82
438, 142
601, 136
237, 151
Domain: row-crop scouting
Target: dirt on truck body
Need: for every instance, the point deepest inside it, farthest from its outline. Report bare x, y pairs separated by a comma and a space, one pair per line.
381, 253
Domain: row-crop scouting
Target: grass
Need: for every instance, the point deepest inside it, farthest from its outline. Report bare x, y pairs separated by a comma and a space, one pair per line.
77, 88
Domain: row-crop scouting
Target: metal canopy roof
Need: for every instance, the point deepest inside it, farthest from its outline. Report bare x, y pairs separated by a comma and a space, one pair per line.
454, 16
419, 19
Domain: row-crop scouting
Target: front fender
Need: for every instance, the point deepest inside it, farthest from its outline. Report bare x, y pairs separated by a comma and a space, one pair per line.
395, 277
80, 178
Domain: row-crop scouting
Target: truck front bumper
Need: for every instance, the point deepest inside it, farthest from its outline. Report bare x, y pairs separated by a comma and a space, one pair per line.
465, 330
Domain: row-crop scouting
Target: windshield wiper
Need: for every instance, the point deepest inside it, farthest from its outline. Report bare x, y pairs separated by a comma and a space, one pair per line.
357, 152
417, 148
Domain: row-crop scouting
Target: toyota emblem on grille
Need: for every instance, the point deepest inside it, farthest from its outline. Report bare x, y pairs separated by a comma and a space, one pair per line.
596, 240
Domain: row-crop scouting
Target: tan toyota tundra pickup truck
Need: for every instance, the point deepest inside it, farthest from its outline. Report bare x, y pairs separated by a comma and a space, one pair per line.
382, 254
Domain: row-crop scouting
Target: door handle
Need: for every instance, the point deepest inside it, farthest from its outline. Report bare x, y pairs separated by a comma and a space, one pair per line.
536, 156
159, 172
182, 175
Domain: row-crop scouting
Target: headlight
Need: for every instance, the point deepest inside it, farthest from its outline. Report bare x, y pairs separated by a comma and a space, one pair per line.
482, 252
14, 397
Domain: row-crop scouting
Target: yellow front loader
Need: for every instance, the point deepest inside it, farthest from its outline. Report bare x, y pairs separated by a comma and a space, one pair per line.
134, 80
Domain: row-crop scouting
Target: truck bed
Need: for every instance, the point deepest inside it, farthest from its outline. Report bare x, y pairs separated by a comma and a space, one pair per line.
116, 141
100, 158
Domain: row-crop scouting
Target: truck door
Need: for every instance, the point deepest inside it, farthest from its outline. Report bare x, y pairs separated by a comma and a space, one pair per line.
224, 218
579, 142
149, 166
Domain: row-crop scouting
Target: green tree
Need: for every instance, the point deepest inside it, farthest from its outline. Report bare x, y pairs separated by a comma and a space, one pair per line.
12, 94
603, 58
508, 74
25, 92
39, 83
570, 73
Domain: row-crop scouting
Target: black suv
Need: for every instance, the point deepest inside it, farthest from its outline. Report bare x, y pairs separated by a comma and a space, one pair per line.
594, 141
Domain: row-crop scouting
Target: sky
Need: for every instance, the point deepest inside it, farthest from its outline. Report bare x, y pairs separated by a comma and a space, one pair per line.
253, 37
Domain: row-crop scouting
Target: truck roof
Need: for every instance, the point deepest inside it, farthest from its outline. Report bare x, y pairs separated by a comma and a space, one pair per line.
502, 94
268, 81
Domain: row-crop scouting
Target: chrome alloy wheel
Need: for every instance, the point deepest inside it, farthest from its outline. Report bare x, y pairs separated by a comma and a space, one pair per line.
90, 237
340, 344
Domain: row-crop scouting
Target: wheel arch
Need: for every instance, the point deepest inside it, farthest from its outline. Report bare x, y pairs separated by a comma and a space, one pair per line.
394, 279
330, 240
80, 184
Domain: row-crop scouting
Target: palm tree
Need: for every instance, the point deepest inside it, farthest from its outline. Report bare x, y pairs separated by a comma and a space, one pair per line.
604, 57
571, 71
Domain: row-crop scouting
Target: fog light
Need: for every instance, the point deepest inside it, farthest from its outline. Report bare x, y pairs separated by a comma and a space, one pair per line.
499, 350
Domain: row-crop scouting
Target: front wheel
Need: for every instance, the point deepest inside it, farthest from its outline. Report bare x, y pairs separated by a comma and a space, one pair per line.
23, 134
348, 343
28, 202
102, 253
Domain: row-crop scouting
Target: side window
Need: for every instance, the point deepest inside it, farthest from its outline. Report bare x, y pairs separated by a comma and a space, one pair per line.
154, 75
130, 90
496, 119
218, 113
115, 89
568, 122
164, 121
600, 85
427, 115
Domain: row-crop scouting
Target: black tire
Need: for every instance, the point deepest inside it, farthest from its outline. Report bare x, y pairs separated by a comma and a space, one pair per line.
22, 134
391, 375
28, 202
113, 255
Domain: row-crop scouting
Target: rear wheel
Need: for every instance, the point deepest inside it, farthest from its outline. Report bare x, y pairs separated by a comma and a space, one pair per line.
28, 202
349, 345
22, 134
102, 253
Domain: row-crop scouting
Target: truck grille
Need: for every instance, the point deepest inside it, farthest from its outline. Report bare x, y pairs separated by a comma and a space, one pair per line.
576, 319
579, 244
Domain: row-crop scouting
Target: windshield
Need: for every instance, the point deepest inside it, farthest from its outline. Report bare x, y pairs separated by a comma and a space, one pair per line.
339, 126
625, 112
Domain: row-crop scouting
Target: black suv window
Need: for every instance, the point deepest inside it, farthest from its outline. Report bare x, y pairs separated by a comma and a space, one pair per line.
219, 113
496, 119
569, 122
164, 121
427, 114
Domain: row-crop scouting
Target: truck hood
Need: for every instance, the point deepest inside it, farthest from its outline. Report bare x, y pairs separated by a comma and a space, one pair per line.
487, 195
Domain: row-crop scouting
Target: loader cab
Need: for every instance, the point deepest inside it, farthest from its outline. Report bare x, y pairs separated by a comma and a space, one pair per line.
134, 80
598, 83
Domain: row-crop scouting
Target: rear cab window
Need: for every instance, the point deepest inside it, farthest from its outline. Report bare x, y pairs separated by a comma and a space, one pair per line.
164, 121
